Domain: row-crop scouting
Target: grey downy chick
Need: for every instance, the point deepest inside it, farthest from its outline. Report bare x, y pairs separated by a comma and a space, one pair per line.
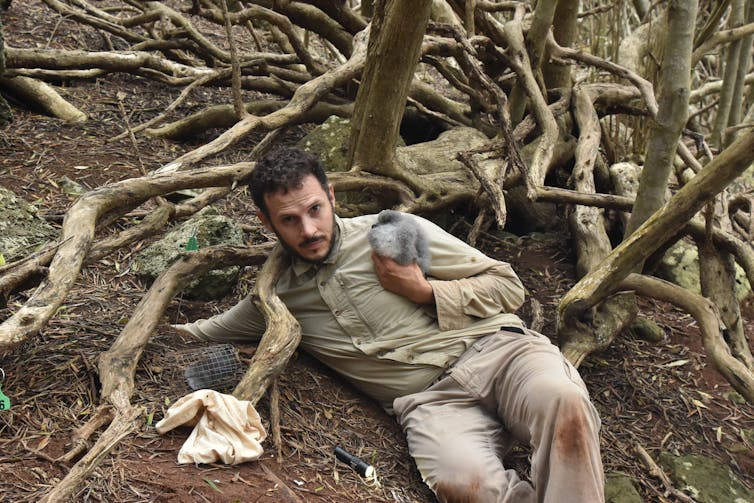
398, 236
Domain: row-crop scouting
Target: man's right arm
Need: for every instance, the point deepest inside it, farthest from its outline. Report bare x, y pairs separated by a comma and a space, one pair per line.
467, 285
241, 323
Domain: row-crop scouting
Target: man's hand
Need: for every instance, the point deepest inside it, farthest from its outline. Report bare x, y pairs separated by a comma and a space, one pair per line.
405, 280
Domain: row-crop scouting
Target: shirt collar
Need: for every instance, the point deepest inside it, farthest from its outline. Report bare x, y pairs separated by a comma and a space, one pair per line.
301, 267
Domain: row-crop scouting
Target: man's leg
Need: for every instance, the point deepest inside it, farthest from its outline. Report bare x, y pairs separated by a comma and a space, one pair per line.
540, 398
458, 446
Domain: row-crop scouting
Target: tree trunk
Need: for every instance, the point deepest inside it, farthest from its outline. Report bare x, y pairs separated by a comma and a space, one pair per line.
672, 113
394, 46
565, 32
587, 226
718, 279
744, 63
535, 46
737, 15
718, 282
656, 230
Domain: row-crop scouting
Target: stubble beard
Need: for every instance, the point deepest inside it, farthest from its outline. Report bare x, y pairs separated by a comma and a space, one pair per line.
295, 254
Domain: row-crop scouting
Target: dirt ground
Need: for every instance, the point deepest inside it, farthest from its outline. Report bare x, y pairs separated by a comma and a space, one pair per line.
662, 397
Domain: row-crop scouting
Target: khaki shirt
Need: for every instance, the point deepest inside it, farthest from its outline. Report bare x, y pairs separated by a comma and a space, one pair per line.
384, 344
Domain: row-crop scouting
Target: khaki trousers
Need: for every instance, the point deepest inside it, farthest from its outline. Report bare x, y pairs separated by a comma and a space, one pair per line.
507, 387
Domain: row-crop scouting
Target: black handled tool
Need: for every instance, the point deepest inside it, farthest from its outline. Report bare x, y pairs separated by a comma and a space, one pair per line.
362, 467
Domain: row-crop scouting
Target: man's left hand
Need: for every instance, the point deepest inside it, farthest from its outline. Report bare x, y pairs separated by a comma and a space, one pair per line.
405, 280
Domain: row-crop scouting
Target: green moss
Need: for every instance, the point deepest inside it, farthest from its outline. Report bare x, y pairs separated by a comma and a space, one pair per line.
619, 488
210, 230
21, 230
704, 479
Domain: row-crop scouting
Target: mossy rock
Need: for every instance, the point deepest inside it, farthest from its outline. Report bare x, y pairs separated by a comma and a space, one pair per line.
705, 480
21, 229
620, 488
646, 329
329, 141
680, 265
211, 229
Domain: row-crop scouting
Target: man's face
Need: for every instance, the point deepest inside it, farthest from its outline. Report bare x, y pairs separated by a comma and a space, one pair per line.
303, 219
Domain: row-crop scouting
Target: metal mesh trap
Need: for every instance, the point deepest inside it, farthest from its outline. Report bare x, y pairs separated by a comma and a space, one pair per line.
215, 367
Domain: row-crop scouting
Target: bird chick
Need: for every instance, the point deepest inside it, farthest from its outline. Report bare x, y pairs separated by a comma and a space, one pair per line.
399, 236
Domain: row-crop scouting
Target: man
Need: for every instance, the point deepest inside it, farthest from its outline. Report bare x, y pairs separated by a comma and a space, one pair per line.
444, 353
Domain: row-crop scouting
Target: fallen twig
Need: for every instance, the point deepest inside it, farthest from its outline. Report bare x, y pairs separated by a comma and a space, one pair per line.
657, 472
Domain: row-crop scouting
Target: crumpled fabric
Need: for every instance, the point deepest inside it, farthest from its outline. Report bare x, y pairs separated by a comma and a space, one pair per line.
225, 428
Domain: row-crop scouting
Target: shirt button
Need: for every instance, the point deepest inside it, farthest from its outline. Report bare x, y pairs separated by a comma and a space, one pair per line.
336, 312
357, 342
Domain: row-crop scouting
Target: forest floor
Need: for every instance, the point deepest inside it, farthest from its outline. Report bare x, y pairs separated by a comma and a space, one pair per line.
663, 397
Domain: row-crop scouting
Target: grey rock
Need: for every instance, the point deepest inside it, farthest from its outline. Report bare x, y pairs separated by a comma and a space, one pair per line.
21, 229
211, 229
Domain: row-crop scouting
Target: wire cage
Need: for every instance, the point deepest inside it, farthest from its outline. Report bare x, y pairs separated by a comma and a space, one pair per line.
216, 367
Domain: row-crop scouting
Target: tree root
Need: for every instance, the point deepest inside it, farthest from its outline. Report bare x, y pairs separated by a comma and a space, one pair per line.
303, 100
224, 116
30, 271
656, 471
19, 274
280, 339
517, 56
123, 424
587, 223
644, 86
78, 233
36, 92
670, 219
707, 317
102, 416
597, 328
117, 366
579, 337
277, 439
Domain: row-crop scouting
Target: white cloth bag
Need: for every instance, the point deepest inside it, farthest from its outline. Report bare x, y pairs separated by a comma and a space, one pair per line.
225, 428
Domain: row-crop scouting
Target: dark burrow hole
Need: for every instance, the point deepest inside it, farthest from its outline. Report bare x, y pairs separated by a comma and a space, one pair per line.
419, 128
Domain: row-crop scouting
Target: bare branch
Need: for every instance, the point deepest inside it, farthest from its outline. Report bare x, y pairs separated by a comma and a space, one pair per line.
713, 178
78, 233
303, 100
708, 319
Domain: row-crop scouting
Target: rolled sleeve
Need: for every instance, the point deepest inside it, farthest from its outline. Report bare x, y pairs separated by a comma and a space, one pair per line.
467, 284
460, 302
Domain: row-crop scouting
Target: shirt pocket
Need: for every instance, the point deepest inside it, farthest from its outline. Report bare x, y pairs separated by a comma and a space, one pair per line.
382, 313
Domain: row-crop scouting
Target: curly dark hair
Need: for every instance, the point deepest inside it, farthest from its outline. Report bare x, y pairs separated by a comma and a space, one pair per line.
283, 169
